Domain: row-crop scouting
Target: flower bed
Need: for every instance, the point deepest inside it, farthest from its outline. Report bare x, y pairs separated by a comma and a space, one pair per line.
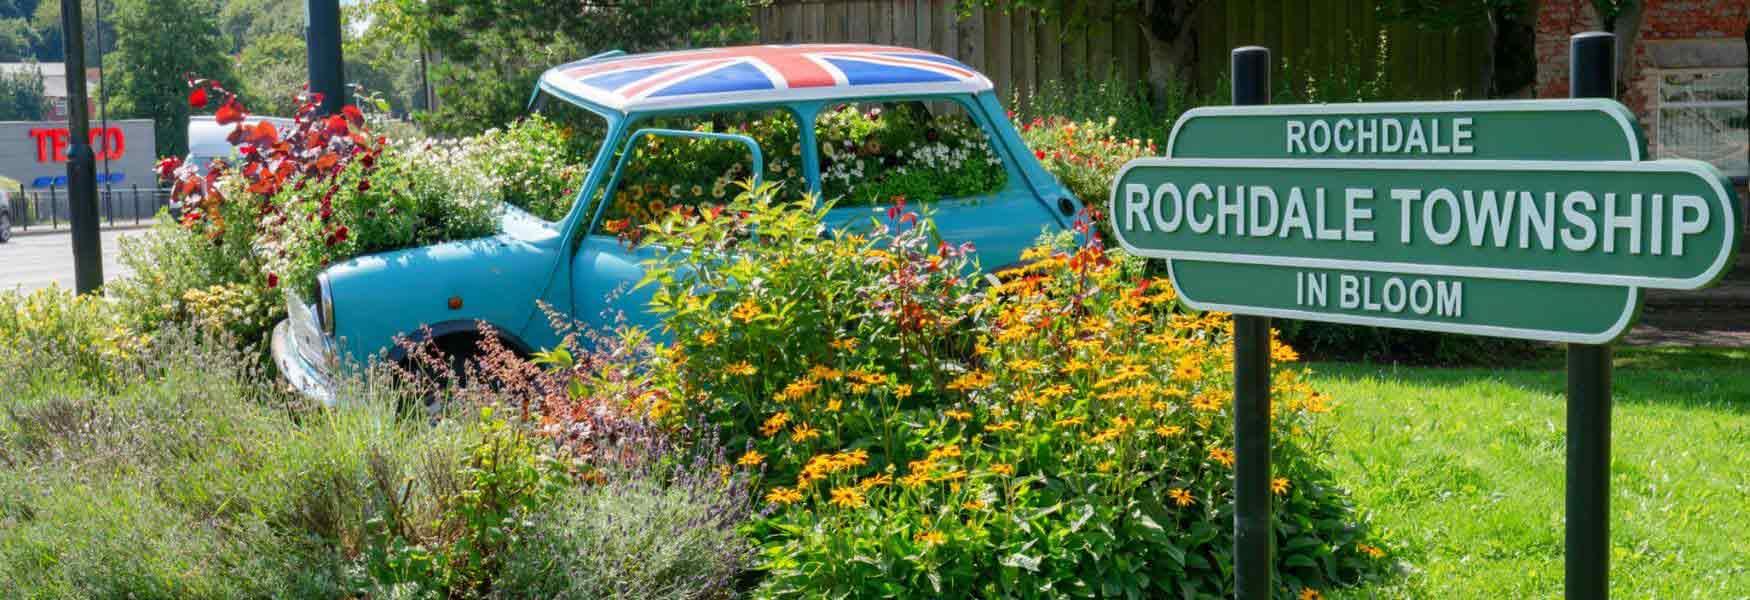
1066, 432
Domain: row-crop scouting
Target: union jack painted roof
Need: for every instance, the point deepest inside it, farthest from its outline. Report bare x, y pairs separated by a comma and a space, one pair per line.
753, 74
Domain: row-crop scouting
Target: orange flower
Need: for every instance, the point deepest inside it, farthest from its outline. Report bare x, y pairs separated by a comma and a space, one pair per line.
775, 423
803, 433
783, 496
1181, 497
1222, 455
848, 497
751, 459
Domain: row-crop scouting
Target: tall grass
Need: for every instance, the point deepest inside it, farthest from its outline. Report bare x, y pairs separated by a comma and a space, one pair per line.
171, 466
184, 476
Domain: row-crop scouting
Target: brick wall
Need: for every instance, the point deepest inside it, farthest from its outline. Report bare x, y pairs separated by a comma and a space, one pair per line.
1673, 34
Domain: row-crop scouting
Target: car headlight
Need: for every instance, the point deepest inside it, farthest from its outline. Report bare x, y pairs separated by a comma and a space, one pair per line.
324, 305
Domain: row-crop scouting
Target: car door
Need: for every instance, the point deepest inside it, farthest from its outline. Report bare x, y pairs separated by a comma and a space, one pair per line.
656, 170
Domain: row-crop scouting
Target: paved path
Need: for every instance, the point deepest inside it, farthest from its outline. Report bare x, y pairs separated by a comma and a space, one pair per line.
35, 261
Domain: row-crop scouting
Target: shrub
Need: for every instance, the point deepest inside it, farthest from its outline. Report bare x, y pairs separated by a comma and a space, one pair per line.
52, 333
536, 163
656, 531
170, 466
1062, 433
1133, 110
324, 190
872, 153
1085, 156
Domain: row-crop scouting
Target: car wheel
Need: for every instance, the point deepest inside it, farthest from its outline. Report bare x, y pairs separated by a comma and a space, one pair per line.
446, 367
5, 227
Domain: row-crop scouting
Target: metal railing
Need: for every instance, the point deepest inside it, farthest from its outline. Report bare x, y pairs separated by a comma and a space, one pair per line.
48, 208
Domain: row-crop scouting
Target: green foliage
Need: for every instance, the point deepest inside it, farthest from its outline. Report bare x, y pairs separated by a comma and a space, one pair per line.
180, 475
1330, 341
540, 165
245, 22
636, 537
1344, 79
21, 96
876, 153
17, 40
53, 331
270, 67
503, 480
494, 49
417, 192
1126, 103
45, 20
157, 43
1062, 433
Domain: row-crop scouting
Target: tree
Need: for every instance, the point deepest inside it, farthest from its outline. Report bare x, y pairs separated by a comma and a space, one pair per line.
270, 72
493, 50
21, 96
46, 20
246, 21
160, 43
17, 40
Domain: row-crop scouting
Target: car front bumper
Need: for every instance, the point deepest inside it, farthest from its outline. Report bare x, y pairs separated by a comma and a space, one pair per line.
308, 380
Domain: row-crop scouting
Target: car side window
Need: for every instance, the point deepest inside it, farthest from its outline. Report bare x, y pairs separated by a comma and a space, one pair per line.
664, 172
875, 153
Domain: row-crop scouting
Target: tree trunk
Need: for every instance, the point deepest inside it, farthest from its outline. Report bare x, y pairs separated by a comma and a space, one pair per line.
1172, 47
1169, 62
1486, 79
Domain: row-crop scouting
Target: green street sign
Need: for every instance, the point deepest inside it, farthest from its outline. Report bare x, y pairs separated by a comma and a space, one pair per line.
1573, 129
1661, 224
1590, 130
1395, 243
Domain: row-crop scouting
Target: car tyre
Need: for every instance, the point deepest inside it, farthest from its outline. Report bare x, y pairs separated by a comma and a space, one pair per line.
5, 227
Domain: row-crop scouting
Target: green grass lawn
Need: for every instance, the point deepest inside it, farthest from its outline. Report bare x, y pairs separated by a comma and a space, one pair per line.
1462, 471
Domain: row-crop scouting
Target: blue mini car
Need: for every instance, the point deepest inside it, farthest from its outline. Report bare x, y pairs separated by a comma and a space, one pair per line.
577, 265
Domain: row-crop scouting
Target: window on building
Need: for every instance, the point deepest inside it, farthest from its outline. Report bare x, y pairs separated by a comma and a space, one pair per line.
1702, 116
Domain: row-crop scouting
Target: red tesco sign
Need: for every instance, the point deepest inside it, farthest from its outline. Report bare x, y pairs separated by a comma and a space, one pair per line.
52, 143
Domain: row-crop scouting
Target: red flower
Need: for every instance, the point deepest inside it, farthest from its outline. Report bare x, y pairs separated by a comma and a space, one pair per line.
229, 112
273, 281
1040, 154
364, 185
167, 167
352, 114
197, 99
340, 234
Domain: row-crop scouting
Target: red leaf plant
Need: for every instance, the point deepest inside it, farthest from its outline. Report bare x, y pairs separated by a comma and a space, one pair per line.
314, 150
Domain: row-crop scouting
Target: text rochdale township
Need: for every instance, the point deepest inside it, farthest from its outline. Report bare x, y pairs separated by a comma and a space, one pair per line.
1575, 220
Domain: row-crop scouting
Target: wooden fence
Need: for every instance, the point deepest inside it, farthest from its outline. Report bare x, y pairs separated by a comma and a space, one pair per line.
1019, 50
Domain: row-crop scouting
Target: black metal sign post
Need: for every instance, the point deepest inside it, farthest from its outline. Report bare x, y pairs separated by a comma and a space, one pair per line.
1587, 566
81, 161
1253, 535
322, 41
1591, 74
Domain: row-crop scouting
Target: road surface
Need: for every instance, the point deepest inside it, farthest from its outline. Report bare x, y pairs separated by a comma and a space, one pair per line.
36, 261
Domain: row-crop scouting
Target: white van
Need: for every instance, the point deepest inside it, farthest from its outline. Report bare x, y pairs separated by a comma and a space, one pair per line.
207, 139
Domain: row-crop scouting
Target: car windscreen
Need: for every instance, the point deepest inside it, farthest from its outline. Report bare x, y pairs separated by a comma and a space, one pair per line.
544, 158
